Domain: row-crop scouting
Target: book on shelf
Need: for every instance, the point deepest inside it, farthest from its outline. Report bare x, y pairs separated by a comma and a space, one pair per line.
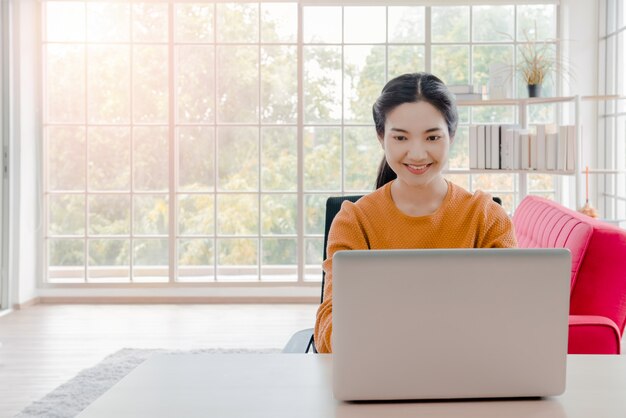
480, 147
473, 146
552, 145
572, 144
525, 149
495, 147
540, 147
488, 147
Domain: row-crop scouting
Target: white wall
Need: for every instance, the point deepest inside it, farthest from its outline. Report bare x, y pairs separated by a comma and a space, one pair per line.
579, 35
25, 137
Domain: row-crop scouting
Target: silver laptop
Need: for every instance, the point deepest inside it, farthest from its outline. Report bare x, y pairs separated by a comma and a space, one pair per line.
451, 323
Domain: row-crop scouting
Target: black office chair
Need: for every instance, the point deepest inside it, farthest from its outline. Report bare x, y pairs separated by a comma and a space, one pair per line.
302, 341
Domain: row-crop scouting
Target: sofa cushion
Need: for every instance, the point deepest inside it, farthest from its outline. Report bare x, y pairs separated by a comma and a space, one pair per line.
540, 223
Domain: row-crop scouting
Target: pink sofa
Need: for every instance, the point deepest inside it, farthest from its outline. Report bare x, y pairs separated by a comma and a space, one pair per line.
598, 286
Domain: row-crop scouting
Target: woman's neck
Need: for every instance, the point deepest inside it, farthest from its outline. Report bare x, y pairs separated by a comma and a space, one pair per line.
419, 200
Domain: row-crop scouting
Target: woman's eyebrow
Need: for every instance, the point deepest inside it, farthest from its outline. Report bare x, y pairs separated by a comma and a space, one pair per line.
400, 130
432, 130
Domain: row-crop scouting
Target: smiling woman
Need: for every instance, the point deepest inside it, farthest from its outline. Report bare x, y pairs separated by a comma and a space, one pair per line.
414, 206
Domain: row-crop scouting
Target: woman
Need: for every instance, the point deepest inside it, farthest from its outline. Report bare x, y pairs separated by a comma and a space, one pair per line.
413, 205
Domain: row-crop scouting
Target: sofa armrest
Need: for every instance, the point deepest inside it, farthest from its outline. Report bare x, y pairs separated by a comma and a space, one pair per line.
592, 334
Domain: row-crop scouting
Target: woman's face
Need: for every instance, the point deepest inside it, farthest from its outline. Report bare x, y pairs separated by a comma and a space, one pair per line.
416, 143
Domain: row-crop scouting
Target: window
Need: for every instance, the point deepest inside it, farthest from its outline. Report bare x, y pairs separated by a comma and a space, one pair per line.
612, 113
197, 142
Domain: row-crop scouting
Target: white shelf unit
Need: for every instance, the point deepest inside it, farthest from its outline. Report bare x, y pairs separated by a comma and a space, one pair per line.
522, 109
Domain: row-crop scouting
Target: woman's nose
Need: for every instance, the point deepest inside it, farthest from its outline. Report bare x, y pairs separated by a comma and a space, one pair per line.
417, 151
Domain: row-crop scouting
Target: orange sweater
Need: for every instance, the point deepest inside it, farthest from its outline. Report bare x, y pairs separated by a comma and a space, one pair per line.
464, 220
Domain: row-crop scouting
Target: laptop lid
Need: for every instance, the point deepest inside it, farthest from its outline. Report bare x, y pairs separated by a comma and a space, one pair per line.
450, 323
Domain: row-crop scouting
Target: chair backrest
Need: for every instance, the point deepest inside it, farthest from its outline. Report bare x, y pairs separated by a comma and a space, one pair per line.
333, 205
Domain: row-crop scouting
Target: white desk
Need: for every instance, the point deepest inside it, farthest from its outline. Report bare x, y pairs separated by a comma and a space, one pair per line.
299, 385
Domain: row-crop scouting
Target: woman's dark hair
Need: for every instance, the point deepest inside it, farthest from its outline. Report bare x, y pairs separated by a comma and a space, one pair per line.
411, 88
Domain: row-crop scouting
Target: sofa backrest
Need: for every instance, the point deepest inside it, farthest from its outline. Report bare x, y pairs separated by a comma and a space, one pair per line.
598, 280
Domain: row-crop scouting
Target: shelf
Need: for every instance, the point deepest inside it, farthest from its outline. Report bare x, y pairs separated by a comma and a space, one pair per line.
601, 171
497, 171
534, 100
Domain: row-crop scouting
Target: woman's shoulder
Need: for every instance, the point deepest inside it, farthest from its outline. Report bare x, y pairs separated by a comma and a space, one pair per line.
477, 201
368, 205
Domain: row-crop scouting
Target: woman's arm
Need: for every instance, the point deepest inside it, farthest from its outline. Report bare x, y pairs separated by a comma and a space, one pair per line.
346, 233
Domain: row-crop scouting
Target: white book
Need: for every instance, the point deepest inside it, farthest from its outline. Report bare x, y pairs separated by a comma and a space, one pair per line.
561, 149
552, 141
532, 150
495, 147
540, 149
517, 150
525, 149
572, 144
481, 146
507, 143
488, 154
473, 146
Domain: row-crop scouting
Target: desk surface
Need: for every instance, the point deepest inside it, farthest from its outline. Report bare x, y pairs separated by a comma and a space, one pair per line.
300, 385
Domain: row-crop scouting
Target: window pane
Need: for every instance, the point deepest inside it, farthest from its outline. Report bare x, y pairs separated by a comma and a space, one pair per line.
493, 182
237, 260
150, 260
65, 83
196, 148
109, 260
279, 214
279, 258
196, 214
150, 84
193, 22
279, 84
364, 78
491, 62
150, 159
109, 215
66, 260
150, 22
364, 24
108, 84
65, 21
108, 22
237, 214
196, 260
238, 84
322, 24
450, 24
493, 23
322, 84
322, 159
279, 22
151, 215
109, 157
451, 63
459, 149
541, 183
238, 158
238, 22
406, 24
536, 22
67, 214
279, 169
66, 158
195, 83
494, 114
362, 155
313, 250
314, 213
405, 59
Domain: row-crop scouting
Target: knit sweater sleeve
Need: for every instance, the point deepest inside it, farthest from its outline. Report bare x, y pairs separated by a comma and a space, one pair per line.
346, 233
498, 228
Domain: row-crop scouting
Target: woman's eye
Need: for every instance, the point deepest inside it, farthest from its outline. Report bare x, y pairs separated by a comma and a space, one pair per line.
400, 137
433, 137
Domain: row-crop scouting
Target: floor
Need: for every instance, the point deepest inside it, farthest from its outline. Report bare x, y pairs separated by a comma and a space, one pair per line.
45, 345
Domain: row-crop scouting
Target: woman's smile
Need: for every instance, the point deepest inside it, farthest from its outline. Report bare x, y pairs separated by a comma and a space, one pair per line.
418, 169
